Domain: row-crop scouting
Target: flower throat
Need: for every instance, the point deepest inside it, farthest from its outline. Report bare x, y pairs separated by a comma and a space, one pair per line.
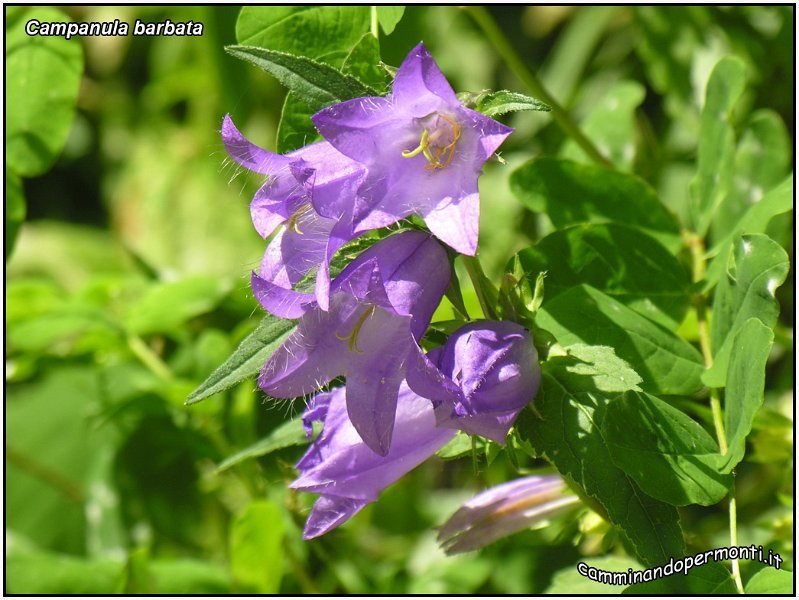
438, 142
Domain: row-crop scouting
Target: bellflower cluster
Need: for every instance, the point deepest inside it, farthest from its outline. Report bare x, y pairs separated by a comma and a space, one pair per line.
420, 151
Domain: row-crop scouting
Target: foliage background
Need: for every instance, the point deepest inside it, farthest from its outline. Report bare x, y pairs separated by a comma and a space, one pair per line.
128, 284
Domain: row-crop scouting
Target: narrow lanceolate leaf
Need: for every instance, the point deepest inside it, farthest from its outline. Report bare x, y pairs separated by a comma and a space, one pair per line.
566, 427
716, 152
666, 363
501, 102
316, 83
620, 261
288, 434
247, 360
571, 193
755, 220
668, 454
756, 268
746, 378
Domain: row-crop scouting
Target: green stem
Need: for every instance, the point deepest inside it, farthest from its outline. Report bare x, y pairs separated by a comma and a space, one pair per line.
495, 35
697, 247
149, 358
374, 23
45, 474
481, 285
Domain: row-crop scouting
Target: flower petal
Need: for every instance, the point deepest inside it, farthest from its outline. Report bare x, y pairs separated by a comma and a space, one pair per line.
455, 221
247, 154
280, 301
420, 87
328, 513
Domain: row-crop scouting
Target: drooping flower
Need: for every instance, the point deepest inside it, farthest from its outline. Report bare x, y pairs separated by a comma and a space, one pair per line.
311, 191
481, 378
345, 471
423, 150
505, 509
380, 306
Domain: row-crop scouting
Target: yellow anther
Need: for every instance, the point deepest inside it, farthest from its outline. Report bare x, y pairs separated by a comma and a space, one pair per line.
352, 346
294, 222
438, 157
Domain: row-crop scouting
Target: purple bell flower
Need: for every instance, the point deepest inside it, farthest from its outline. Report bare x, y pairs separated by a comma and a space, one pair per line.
423, 150
345, 471
505, 509
480, 380
380, 307
312, 191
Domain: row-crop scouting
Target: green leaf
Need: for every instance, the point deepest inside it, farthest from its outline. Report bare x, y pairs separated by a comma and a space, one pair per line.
566, 427
746, 378
54, 574
326, 33
595, 368
288, 434
618, 260
771, 582
42, 78
571, 582
668, 454
363, 62
762, 162
188, 577
168, 305
15, 210
611, 125
316, 83
667, 363
755, 220
256, 552
756, 268
572, 193
716, 151
389, 16
295, 128
706, 580
502, 102
247, 360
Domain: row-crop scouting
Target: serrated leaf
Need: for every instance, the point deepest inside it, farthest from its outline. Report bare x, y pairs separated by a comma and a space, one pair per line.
668, 454
42, 79
594, 368
755, 220
571, 193
315, 83
769, 582
756, 268
611, 126
295, 128
288, 434
746, 378
502, 102
256, 552
667, 363
326, 33
705, 580
363, 62
565, 426
389, 16
15, 210
620, 261
247, 360
716, 151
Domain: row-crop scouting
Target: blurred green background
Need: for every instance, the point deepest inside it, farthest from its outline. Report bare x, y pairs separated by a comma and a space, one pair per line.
129, 283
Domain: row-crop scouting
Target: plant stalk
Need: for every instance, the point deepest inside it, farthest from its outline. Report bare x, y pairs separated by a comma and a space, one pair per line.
495, 35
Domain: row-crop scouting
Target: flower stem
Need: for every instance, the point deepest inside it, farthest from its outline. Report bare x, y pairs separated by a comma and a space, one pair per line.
697, 247
374, 24
482, 286
495, 35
